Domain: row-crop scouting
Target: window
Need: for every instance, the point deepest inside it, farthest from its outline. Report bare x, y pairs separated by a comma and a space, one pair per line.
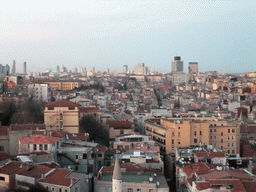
210, 137
71, 108
76, 157
178, 127
34, 147
195, 140
60, 190
228, 151
172, 134
50, 108
178, 134
232, 137
211, 130
40, 147
195, 133
99, 155
53, 189
45, 147
221, 134
84, 155
138, 190
228, 130
228, 144
129, 189
150, 190
214, 137
228, 137
233, 151
179, 141
221, 147
172, 141
232, 144
2, 178
214, 130
233, 130
221, 140
200, 132
1, 148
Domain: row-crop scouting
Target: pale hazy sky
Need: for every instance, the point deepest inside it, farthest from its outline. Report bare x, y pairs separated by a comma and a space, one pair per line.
218, 34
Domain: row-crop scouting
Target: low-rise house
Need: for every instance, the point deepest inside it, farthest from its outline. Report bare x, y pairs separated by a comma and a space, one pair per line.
37, 143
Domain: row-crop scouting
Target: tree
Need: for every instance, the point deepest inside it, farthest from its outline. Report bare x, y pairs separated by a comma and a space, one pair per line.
28, 112
8, 109
97, 132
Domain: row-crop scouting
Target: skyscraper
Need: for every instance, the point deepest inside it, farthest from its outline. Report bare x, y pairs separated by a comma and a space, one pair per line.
6, 69
177, 64
193, 67
141, 69
14, 67
25, 68
125, 68
58, 68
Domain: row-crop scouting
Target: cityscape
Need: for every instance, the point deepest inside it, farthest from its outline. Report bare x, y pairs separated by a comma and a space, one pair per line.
127, 96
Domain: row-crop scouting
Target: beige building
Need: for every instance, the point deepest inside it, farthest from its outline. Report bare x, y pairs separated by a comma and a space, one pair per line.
63, 115
63, 85
171, 133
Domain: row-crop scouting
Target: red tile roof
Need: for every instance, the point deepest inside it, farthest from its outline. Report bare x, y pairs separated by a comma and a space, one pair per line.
102, 148
5, 156
34, 170
227, 174
39, 139
235, 185
4, 130
199, 167
62, 103
210, 154
120, 124
13, 167
250, 186
58, 177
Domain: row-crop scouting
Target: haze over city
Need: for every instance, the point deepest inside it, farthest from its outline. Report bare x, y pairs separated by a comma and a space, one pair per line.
219, 35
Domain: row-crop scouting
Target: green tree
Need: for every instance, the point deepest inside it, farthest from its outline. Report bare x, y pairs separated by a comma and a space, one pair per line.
9, 109
98, 133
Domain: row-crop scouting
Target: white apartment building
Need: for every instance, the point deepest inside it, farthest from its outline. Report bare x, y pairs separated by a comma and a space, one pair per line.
39, 92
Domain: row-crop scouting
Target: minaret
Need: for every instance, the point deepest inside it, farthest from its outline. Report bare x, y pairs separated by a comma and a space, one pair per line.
117, 177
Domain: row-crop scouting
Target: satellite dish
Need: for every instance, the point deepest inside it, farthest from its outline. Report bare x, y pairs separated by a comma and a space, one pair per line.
157, 183
150, 179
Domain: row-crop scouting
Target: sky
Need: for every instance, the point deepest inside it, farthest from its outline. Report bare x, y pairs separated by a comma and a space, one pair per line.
218, 34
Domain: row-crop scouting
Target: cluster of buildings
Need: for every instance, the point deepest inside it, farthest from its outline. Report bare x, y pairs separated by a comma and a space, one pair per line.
167, 132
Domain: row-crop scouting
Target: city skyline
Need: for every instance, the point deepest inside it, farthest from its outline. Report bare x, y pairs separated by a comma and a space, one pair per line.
111, 34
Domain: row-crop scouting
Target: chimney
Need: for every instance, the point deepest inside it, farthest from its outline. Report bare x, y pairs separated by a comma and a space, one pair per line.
42, 175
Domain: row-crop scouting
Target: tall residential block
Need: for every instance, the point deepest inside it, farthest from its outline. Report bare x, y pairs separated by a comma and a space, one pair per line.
24, 68
125, 68
177, 64
193, 67
14, 67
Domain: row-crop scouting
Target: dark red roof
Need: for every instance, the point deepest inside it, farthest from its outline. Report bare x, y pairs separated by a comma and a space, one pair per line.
210, 154
4, 130
250, 186
199, 167
61, 103
5, 156
120, 124
34, 170
235, 185
58, 177
39, 139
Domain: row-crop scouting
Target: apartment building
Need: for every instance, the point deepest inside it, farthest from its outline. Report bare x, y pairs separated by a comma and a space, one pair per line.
63, 115
170, 133
39, 92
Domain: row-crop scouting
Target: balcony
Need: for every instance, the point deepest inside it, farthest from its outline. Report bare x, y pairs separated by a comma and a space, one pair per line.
158, 134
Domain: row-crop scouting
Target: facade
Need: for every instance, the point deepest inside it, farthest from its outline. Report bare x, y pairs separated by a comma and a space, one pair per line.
63, 115
14, 67
119, 127
39, 92
171, 133
193, 67
38, 143
141, 69
24, 68
63, 85
177, 64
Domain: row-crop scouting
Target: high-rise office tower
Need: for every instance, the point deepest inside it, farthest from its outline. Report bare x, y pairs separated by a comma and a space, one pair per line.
58, 68
75, 70
14, 67
141, 69
125, 68
177, 64
93, 69
1, 68
107, 70
24, 68
193, 67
